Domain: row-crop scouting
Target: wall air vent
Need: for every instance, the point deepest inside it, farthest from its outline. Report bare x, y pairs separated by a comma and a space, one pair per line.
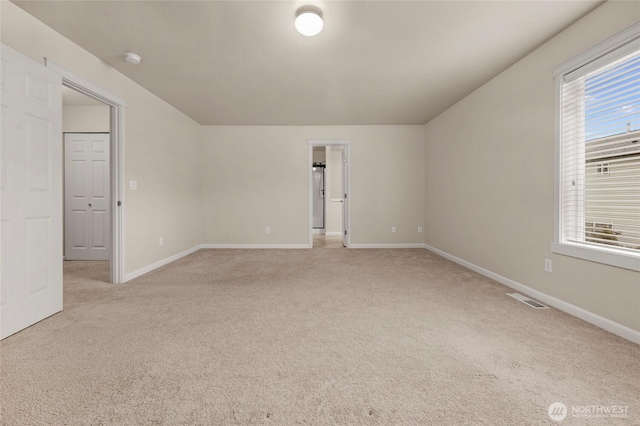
524, 299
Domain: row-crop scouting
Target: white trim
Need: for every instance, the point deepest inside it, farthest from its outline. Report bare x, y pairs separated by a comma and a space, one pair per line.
595, 319
310, 196
347, 168
135, 274
255, 246
117, 108
118, 246
599, 255
388, 246
83, 85
557, 160
317, 231
614, 42
346, 143
328, 142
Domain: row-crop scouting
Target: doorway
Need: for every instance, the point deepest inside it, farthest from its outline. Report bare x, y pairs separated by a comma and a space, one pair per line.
75, 85
86, 191
329, 188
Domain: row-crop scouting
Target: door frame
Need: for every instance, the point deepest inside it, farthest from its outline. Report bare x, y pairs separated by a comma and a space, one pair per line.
116, 173
346, 144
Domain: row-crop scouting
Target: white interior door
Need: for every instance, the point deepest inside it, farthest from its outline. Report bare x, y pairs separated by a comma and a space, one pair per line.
86, 188
31, 193
345, 197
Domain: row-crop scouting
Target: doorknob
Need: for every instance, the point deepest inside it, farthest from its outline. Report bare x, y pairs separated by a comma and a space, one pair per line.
89, 204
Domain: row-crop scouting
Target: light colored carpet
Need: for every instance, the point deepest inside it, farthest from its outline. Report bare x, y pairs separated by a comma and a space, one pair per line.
372, 337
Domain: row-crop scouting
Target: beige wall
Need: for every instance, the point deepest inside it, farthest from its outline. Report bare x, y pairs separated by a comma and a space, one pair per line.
258, 176
319, 154
85, 119
489, 178
162, 145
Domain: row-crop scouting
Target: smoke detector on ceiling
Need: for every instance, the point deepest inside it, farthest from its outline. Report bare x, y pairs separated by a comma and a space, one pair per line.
132, 58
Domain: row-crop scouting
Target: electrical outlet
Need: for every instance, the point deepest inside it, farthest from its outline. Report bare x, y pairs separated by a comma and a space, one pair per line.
393, 229
268, 230
133, 185
547, 265
161, 241
419, 228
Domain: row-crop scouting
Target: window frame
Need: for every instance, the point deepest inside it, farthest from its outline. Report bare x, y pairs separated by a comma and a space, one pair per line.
602, 169
600, 254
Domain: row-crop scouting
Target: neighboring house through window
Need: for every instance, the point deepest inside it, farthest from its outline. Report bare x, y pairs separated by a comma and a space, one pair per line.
602, 169
598, 153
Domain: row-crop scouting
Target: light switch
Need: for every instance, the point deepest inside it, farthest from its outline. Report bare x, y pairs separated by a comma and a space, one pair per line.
133, 185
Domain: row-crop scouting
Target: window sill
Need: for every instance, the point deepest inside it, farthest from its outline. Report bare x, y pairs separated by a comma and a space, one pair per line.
606, 256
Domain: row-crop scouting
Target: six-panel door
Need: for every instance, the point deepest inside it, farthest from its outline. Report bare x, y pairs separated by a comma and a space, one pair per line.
87, 224
31, 192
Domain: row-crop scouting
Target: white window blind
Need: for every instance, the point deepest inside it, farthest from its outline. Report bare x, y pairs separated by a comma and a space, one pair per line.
600, 153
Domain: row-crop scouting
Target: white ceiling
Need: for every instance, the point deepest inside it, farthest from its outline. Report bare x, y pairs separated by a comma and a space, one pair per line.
378, 62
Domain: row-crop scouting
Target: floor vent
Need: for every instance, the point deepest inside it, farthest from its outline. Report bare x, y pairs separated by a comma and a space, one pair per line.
530, 302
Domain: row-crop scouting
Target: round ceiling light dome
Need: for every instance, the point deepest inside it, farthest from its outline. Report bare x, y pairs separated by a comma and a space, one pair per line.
309, 20
132, 58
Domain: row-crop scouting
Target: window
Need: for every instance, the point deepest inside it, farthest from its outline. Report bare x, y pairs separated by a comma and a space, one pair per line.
598, 153
602, 169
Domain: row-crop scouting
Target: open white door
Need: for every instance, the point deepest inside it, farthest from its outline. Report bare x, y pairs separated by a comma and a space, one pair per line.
345, 197
86, 191
31, 193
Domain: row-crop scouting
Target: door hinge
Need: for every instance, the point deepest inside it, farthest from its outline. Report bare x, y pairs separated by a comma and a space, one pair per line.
345, 196
345, 232
119, 203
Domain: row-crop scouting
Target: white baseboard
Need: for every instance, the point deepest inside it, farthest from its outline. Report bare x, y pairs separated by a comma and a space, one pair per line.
318, 231
387, 246
333, 234
135, 274
595, 319
255, 246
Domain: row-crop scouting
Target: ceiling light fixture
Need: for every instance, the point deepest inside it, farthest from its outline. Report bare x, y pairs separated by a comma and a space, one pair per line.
309, 20
132, 58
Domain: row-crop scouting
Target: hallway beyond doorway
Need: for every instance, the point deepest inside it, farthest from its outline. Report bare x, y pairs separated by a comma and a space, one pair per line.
324, 241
